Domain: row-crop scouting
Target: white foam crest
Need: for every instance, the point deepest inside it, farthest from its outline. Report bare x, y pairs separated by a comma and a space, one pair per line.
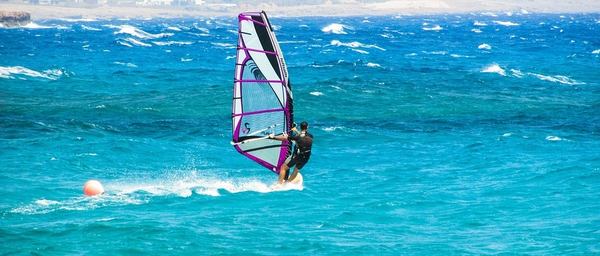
454, 55
293, 42
506, 23
124, 44
484, 47
224, 45
596, 51
173, 28
172, 43
126, 64
476, 30
84, 27
321, 66
434, 28
494, 68
479, 24
186, 59
205, 30
136, 32
335, 28
360, 51
491, 14
517, 73
12, 72
78, 20
80, 203
136, 42
332, 128
33, 25
553, 138
316, 93
435, 52
557, 79
355, 44
373, 65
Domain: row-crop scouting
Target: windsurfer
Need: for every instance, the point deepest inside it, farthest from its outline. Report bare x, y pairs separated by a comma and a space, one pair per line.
300, 156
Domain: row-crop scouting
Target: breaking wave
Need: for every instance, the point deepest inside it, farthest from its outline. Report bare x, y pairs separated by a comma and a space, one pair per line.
136, 32
506, 23
355, 44
335, 28
494, 68
20, 72
433, 28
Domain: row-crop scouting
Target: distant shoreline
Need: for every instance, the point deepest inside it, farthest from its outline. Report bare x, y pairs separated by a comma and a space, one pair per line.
393, 7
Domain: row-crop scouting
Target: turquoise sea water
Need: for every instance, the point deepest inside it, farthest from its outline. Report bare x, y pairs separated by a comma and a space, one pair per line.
434, 135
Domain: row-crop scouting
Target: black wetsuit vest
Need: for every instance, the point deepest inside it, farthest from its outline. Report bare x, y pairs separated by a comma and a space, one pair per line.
303, 144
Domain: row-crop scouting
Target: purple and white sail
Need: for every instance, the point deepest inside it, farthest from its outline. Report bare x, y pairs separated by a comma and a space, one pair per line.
262, 96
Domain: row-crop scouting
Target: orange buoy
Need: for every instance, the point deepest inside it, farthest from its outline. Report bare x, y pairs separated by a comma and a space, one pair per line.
93, 188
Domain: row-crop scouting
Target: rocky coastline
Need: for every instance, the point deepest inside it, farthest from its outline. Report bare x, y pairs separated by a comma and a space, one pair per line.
14, 19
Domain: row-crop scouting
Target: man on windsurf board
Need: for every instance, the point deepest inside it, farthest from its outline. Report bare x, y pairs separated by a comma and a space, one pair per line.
301, 154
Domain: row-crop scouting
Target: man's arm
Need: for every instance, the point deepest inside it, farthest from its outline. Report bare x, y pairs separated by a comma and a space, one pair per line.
282, 137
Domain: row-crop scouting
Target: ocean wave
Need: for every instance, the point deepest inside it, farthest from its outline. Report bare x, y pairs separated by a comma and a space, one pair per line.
360, 51
172, 43
434, 28
596, 51
84, 27
355, 44
484, 47
204, 30
136, 32
335, 28
494, 68
454, 55
126, 64
553, 138
517, 73
491, 14
373, 65
224, 45
133, 41
78, 19
476, 30
332, 128
316, 93
44, 206
171, 28
124, 44
14, 72
557, 79
435, 52
506, 23
479, 24
293, 42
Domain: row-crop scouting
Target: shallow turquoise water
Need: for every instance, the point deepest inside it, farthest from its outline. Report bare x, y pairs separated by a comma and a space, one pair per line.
480, 136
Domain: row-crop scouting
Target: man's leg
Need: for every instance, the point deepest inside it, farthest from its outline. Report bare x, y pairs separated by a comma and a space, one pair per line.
294, 174
282, 173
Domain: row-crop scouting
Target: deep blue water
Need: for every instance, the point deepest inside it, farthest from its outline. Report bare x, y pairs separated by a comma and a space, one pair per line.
434, 135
